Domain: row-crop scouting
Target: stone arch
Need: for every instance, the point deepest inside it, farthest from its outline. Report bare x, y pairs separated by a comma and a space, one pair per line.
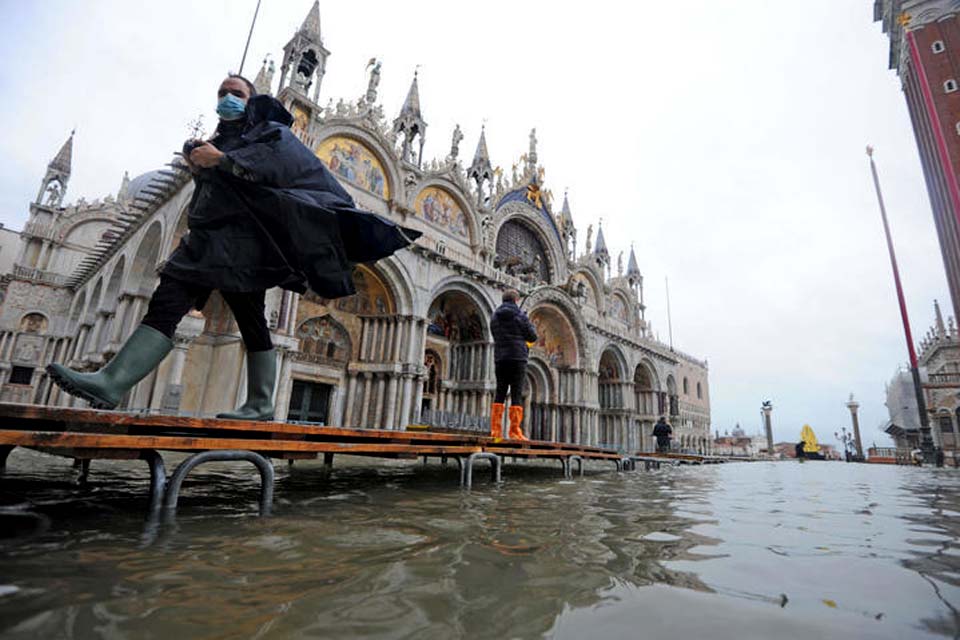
440, 203
180, 229
374, 297
457, 283
397, 277
324, 340
90, 314
72, 227
530, 218
458, 333
34, 322
646, 388
142, 277
79, 303
539, 394
556, 340
595, 287
109, 302
557, 297
337, 141
618, 307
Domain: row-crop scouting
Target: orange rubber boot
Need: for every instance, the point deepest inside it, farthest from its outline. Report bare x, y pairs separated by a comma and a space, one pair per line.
516, 423
496, 420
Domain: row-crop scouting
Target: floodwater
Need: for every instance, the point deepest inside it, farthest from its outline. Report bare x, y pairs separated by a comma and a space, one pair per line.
397, 550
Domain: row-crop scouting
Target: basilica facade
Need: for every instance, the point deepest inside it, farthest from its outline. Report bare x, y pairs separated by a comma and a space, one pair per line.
413, 346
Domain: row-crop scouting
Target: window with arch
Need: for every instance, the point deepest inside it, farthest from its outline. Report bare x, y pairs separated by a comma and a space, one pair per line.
324, 338
950, 85
686, 387
33, 323
699, 391
938, 46
521, 253
946, 423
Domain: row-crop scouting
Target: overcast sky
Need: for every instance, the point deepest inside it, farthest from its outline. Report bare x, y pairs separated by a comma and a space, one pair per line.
724, 138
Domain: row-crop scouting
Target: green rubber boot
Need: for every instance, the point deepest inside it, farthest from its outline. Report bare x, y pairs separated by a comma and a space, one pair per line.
141, 353
261, 376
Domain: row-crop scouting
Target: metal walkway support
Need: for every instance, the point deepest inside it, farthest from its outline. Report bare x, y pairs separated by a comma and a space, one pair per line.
466, 472
579, 461
4, 454
158, 478
263, 466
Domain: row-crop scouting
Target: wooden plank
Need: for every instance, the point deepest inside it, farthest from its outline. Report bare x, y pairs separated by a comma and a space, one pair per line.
69, 440
17, 416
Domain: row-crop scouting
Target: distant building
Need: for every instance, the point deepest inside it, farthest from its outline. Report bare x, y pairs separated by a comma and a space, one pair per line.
924, 42
940, 366
738, 443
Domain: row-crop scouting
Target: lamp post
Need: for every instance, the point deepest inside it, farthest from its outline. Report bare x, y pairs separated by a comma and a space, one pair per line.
853, 405
767, 409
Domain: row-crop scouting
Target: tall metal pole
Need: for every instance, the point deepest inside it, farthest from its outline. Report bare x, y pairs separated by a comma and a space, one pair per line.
249, 35
666, 281
926, 442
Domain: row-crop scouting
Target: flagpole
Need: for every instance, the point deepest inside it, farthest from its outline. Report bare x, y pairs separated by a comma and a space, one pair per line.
249, 35
926, 443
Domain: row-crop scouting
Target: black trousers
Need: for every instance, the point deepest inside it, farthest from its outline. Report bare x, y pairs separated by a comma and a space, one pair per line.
174, 298
510, 374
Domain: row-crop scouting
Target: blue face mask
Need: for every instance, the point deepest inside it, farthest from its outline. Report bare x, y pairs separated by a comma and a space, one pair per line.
230, 107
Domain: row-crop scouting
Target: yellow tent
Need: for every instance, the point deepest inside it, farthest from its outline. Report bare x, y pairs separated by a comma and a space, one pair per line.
809, 440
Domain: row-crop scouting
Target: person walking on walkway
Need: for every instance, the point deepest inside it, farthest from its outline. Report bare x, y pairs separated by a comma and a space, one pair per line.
512, 334
662, 431
265, 212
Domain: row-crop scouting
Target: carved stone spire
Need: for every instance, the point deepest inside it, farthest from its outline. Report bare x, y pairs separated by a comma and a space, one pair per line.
941, 328
264, 80
54, 184
633, 271
410, 124
305, 58
480, 170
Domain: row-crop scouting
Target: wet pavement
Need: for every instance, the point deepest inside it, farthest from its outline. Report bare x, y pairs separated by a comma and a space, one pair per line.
397, 550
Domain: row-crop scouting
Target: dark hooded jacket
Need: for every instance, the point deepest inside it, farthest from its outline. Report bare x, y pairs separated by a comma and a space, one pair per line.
512, 330
662, 432
271, 214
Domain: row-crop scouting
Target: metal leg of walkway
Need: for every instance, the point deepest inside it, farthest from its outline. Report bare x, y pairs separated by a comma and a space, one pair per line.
4, 454
570, 461
158, 478
263, 465
466, 474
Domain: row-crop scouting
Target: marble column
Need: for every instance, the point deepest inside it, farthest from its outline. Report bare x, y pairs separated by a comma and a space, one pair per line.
418, 397
367, 399
349, 401
390, 421
405, 400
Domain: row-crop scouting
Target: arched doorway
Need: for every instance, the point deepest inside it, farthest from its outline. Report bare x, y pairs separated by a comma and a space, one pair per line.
613, 416
647, 404
370, 336
538, 410
458, 341
560, 415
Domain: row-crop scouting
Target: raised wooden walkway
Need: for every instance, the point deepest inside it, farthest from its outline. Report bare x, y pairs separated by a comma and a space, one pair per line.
86, 434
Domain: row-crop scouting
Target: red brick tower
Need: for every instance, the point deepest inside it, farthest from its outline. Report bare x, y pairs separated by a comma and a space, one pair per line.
925, 51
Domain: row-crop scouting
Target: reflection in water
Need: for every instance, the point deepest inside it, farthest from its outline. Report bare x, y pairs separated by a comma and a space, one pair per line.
748, 550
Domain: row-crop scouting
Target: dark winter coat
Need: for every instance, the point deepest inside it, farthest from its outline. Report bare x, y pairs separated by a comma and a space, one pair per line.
662, 432
512, 330
271, 214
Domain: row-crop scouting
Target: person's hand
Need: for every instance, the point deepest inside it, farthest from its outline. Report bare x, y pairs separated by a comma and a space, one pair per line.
205, 156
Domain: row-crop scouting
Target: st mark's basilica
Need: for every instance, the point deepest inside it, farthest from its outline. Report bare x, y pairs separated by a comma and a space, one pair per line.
413, 346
